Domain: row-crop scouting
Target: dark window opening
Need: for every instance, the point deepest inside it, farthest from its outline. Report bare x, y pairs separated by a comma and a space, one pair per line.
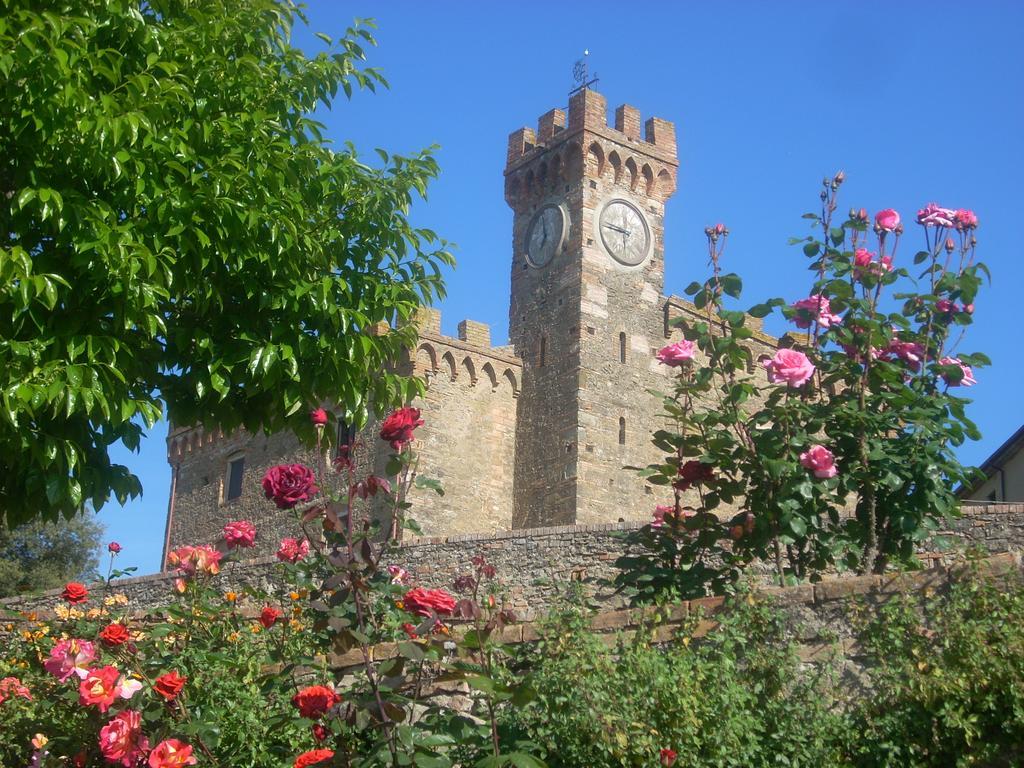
622, 431
622, 347
346, 433
236, 468
543, 350
992, 496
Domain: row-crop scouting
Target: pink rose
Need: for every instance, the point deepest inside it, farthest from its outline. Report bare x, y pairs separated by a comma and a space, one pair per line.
659, 514
104, 685
910, 352
292, 550
815, 308
240, 533
864, 263
934, 216
887, 220
675, 355
964, 219
121, 739
789, 367
820, 461
318, 417
70, 657
398, 574
113, 547
289, 484
967, 380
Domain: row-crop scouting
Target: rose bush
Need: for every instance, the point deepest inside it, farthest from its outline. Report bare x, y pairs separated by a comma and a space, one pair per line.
841, 455
241, 678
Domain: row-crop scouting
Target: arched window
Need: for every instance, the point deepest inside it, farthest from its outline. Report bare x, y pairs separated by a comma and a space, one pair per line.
622, 347
622, 430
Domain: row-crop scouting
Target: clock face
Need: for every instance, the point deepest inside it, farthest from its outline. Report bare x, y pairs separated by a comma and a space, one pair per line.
546, 235
625, 233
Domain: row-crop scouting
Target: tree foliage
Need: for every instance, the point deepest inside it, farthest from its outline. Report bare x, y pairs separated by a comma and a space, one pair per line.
44, 555
175, 230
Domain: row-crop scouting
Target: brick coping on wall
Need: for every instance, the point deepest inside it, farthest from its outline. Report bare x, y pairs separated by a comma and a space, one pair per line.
970, 510
664, 621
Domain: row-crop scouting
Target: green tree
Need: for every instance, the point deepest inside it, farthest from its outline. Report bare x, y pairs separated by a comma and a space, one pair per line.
175, 232
43, 555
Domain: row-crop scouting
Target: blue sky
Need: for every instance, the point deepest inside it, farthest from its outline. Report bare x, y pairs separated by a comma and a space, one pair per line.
916, 101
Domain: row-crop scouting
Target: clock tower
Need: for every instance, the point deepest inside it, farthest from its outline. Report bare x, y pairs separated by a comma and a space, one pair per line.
587, 310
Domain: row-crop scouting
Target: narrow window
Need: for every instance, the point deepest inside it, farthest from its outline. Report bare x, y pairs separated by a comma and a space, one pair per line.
346, 433
622, 430
233, 487
543, 350
622, 347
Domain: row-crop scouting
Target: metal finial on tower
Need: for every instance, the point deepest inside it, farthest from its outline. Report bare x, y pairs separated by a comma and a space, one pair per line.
580, 74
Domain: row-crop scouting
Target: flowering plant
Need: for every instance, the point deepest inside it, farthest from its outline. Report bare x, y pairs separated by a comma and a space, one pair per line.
265, 678
834, 448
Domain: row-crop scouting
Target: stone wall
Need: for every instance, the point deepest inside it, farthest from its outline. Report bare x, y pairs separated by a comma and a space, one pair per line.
538, 567
468, 438
467, 442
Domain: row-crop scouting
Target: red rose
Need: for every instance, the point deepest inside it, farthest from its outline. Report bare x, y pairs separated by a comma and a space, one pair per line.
169, 685
313, 757
314, 701
410, 630
424, 601
113, 547
269, 616
668, 757
318, 417
398, 426
289, 484
693, 473
320, 732
75, 593
114, 635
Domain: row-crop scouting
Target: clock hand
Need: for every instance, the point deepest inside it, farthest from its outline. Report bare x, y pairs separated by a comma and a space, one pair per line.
617, 229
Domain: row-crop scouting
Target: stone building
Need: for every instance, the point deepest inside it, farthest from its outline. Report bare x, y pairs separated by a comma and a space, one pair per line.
1003, 474
535, 433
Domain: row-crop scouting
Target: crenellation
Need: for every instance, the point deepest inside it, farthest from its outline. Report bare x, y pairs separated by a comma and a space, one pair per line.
661, 133
550, 123
627, 121
477, 334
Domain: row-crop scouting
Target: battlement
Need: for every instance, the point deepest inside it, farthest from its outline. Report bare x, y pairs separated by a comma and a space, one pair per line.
588, 110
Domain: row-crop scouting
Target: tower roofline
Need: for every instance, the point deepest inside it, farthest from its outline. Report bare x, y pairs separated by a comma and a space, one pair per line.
588, 112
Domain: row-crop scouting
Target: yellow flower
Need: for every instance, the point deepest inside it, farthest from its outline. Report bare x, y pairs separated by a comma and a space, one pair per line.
94, 613
63, 612
295, 624
233, 637
255, 629
116, 599
39, 741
